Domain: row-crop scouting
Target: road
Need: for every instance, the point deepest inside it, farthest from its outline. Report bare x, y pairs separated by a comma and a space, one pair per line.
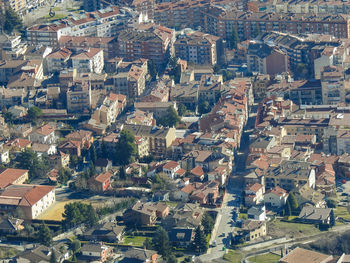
224, 224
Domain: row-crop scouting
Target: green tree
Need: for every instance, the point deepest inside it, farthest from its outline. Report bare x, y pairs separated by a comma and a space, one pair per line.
207, 223
12, 21
8, 116
34, 113
293, 203
122, 173
148, 243
91, 218
331, 219
204, 107
256, 31
331, 203
126, 150
234, 40
79, 213
75, 245
287, 209
53, 258
92, 169
93, 154
200, 242
152, 70
64, 175
171, 259
216, 68
182, 110
160, 181
45, 235
104, 152
170, 119
160, 242
175, 69
30, 160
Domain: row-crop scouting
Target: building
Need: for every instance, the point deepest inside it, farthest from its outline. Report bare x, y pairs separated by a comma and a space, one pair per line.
199, 48
90, 60
251, 230
17, 5
79, 98
96, 252
101, 182
151, 41
10, 176
264, 59
257, 213
58, 60
254, 194
140, 255
107, 232
315, 215
144, 7
33, 200
300, 255
275, 197
82, 137
159, 109
333, 85
44, 134
91, 5
142, 145
160, 138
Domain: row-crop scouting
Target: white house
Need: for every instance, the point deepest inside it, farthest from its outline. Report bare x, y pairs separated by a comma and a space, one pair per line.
254, 194
44, 134
276, 197
257, 213
46, 149
170, 168
4, 155
90, 60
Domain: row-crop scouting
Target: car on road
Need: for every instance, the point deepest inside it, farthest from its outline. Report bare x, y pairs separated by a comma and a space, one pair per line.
214, 243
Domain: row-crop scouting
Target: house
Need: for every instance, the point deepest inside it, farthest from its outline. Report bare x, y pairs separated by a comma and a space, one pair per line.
198, 173
44, 149
304, 255
251, 230
17, 145
183, 193
316, 215
59, 160
142, 145
257, 213
96, 251
308, 196
17, 111
4, 155
140, 255
206, 193
146, 213
181, 237
103, 165
254, 194
84, 138
275, 197
11, 225
70, 148
107, 232
43, 254
33, 200
44, 134
170, 168
100, 182
90, 60
10, 176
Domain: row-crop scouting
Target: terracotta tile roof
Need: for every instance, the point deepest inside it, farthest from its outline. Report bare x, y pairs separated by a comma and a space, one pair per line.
197, 171
20, 143
303, 255
181, 172
170, 165
10, 175
89, 53
62, 53
103, 177
254, 188
277, 191
188, 189
78, 135
45, 130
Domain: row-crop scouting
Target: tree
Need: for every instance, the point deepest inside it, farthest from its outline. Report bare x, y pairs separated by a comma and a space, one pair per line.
64, 175
152, 70
34, 113
256, 31
170, 119
160, 181
126, 149
93, 154
182, 110
234, 40
122, 173
53, 258
92, 218
216, 68
160, 242
171, 259
44, 235
12, 21
200, 242
293, 203
79, 213
175, 69
148, 243
207, 223
8, 116
75, 245
204, 107
92, 169
287, 209
30, 160
331, 219
104, 152
331, 203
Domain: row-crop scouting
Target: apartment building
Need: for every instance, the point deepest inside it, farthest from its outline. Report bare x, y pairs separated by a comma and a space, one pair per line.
58, 60
199, 48
76, 43
102, 23
145, 7
149, 41
17, 5
91, 5
88, 60
221, 22
160, 139
333, 85
79, 98
159, 109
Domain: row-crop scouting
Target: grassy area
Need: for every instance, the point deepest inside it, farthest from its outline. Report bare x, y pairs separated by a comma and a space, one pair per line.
265, 258
277, 228
233, 256
56, 17
55, 9
134, 240
342, 212
243, 216
8, 252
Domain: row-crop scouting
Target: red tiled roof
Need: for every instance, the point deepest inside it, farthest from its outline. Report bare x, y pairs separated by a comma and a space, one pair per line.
45, 130
170, 165
103, 177
10, 175
197, 171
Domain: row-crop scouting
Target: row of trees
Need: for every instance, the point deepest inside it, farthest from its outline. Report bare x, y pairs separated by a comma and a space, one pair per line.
79, 213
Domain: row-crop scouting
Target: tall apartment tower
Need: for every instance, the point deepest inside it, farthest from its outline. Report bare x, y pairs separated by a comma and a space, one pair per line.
92, 5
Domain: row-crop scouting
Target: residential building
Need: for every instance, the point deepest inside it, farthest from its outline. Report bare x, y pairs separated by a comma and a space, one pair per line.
186, 93
181, 237
145, 7
89, 60
96, 251
79, 98
72, 148
159, 109
10, 176
145, 213
315, 215
141, 118
160, 139
199, 48
103, 165
42, 253
44, 149
8, 68
257, 213
264, 59
44, 135
58, 60
33, 200
275, 197
254, 194
59, 160
142, 145
107, 232
82, 137
333, 85
252, 230
11, 225
101, 182
300, 254
140, 255
91, 5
